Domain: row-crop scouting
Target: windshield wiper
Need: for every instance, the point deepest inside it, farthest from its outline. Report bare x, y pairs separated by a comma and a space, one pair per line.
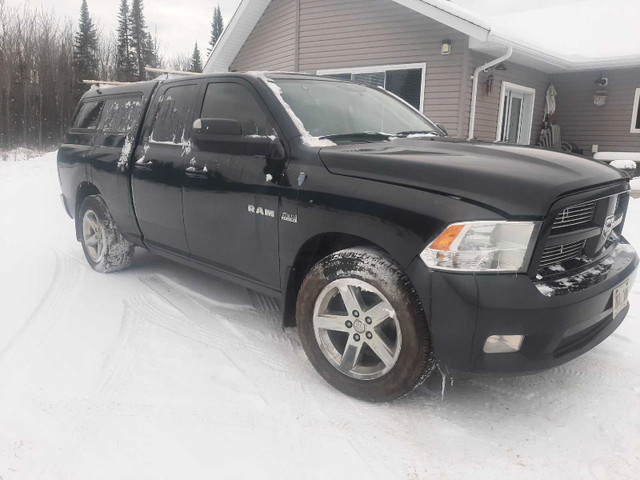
371, 136
418, 132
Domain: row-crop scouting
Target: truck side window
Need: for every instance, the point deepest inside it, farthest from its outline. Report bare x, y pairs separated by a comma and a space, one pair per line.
233, 101
120, 114
172, 114
88, 115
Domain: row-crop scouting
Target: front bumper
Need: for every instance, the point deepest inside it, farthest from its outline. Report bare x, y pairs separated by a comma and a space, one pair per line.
560, 319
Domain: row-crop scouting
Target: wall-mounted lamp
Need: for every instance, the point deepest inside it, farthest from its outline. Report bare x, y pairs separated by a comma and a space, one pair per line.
501, 67
600, 97
445, 48
602, 81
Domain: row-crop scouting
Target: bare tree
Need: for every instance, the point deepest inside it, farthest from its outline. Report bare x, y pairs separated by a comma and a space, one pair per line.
39, 85
180, 62
40, 80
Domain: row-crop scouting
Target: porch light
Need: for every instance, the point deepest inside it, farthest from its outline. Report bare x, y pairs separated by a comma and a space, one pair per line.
600, 97
445, 49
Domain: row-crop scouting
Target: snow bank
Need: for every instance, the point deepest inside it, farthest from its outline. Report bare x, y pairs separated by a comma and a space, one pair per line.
19, 154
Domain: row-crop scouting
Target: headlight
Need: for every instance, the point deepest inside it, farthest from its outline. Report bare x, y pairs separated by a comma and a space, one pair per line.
482, 247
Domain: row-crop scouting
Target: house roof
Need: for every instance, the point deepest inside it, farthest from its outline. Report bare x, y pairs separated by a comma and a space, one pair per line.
487, 34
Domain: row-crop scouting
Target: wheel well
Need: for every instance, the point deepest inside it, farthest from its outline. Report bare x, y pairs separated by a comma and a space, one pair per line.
311, 252
84, 190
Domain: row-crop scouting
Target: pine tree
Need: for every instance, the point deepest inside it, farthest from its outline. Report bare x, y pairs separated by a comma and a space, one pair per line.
85, 46
196, 60
155, 58
124, 57
217, 26
141, 42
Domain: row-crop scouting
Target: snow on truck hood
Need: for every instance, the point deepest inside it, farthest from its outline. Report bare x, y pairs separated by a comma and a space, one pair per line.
518, 181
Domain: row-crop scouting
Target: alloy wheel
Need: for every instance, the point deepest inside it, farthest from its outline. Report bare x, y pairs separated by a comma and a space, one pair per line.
357, 329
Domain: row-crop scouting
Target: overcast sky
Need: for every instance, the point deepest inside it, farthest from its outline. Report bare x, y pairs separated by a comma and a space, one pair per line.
180, 23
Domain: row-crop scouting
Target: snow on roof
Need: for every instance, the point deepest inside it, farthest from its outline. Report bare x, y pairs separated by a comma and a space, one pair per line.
580, 33
551, 35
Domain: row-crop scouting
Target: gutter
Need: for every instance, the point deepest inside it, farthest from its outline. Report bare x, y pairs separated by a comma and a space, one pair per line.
474, 89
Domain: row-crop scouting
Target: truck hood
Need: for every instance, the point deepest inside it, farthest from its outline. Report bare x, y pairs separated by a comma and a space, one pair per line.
516, 180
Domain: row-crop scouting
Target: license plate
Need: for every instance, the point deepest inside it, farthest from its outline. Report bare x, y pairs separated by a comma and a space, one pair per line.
620, 298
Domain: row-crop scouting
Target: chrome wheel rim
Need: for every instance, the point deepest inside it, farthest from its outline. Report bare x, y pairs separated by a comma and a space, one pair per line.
357, 329
93, 235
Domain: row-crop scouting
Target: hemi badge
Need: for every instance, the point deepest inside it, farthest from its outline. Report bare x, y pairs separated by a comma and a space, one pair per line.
287, 217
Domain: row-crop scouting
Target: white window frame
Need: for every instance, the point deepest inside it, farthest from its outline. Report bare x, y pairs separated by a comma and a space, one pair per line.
378, 68
634, 116
529, 106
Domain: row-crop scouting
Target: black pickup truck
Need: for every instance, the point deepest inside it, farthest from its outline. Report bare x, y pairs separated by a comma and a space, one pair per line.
392, 246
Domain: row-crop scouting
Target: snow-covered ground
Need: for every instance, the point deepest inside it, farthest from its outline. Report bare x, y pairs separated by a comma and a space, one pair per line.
161, 372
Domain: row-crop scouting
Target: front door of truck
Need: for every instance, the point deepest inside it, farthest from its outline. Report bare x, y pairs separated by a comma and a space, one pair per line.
231, 200
159, 165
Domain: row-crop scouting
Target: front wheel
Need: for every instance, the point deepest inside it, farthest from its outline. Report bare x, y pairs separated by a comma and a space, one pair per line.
104, 247
362, 325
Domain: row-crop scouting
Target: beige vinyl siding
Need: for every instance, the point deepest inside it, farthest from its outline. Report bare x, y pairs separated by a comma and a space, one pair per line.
272, 43
584, 123
488, 106
360, 33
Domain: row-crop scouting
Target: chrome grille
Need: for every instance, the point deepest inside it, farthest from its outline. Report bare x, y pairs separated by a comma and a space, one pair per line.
575, 215
561, 253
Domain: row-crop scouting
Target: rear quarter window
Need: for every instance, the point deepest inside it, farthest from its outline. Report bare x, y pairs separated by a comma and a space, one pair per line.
121, 114
88, 115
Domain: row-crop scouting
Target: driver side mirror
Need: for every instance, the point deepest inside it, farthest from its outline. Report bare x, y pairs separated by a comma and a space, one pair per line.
224, 135
217, 126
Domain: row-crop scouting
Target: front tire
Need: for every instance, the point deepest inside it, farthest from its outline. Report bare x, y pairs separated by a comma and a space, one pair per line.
105, 249
362, 325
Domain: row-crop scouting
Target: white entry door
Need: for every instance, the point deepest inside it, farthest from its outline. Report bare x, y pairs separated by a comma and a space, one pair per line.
516, 114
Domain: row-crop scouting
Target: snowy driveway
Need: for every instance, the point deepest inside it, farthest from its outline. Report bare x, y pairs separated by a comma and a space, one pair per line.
161, 372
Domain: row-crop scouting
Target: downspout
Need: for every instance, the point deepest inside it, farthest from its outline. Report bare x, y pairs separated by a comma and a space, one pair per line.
474, 89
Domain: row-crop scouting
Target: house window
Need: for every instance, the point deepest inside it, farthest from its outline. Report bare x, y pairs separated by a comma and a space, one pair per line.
635, 119
405, 81
515, 117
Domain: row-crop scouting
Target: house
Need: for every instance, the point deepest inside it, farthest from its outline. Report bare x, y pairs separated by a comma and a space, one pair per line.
459, 69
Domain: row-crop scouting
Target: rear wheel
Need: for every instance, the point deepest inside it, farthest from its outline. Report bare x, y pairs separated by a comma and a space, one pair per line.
104, 247
362, 325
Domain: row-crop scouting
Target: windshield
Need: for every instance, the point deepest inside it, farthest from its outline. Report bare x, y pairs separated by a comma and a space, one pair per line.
330, 109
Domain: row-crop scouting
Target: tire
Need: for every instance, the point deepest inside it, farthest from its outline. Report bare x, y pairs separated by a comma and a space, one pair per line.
104, 247
345, 346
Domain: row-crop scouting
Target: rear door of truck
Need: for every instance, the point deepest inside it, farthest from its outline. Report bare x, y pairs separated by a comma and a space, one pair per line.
116, 136
159, 165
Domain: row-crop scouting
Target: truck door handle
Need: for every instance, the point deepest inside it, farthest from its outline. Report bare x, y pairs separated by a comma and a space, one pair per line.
144, 164
194, 172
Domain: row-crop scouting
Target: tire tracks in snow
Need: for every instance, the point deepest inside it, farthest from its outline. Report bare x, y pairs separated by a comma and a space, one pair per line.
50, 310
